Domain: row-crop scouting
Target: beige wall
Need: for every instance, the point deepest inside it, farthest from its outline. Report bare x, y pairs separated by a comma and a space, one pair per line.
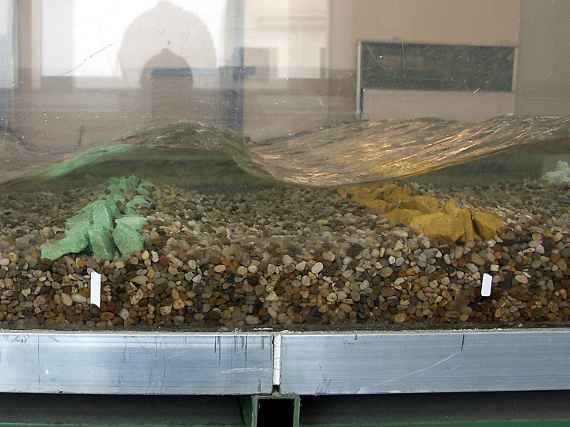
481, 22
544, 58
410, 104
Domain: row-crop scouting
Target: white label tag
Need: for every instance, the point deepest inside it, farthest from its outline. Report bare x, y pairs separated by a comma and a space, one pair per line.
96, 289
487, 285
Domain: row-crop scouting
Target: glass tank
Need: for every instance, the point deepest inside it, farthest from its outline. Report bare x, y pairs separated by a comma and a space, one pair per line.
291, 164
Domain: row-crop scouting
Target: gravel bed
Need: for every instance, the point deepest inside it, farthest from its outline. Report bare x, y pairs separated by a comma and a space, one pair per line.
289, 258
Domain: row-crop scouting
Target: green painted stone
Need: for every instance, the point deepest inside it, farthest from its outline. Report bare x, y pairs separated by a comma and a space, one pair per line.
102, 217
128, 240
94, 225
135, 203
101, 243
117, 197
124, 185
75, 241
134, 221
82, 219
112, 207
145, 188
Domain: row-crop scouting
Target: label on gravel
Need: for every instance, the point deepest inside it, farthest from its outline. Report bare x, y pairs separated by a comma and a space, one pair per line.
487, 286
96, 289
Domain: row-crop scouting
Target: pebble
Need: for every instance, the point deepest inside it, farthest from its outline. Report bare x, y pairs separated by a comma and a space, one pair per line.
220, 268
4, 262
317, 268
287, 260
301, 266
79, 299
399, 246
522, 279
271, 269
253, 269
386, 272
165, 310
329, 256
124, 314
66, 300
400, 318
139, 280
252, 320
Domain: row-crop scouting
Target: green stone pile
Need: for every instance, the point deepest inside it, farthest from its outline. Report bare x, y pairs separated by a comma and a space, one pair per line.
110, 226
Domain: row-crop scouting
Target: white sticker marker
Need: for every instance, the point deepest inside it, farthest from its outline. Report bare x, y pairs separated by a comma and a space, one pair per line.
487, 285
96, 289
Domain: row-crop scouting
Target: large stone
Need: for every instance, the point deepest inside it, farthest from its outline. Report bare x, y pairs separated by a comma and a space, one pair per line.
403, 216
102, 216
396, 194
75, 241
112, 207
101, 243
367, 196
426, 204
135, 203
134, 221
466, 218
123, 185
439, 225
82, 219
487, 225
128, 240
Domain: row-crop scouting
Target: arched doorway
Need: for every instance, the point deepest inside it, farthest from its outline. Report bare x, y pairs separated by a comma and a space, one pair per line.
168, 54
167, 82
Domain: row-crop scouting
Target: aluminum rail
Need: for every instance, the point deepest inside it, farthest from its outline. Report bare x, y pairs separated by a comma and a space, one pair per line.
302, 364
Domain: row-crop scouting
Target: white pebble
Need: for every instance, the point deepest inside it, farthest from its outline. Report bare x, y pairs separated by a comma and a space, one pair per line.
317, 268
329, 256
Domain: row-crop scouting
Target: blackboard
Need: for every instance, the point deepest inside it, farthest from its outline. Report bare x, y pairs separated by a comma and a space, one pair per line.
415, 66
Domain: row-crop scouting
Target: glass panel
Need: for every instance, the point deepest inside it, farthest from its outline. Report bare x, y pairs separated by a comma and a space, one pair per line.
235, 164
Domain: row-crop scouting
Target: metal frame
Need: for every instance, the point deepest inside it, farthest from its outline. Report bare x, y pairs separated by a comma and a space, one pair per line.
299, 364
136, 363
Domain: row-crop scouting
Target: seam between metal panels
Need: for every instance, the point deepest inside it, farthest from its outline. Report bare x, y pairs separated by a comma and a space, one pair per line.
277, 339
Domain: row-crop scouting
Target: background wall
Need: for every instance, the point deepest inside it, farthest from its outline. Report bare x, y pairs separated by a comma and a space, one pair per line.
8, 61
82, 63
289, 99
544, 60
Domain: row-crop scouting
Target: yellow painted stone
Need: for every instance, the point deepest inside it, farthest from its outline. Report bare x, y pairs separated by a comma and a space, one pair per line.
426, 204
487, 225
451, 207
368, 197
396, 194
403, 216
466, 217
439, 225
